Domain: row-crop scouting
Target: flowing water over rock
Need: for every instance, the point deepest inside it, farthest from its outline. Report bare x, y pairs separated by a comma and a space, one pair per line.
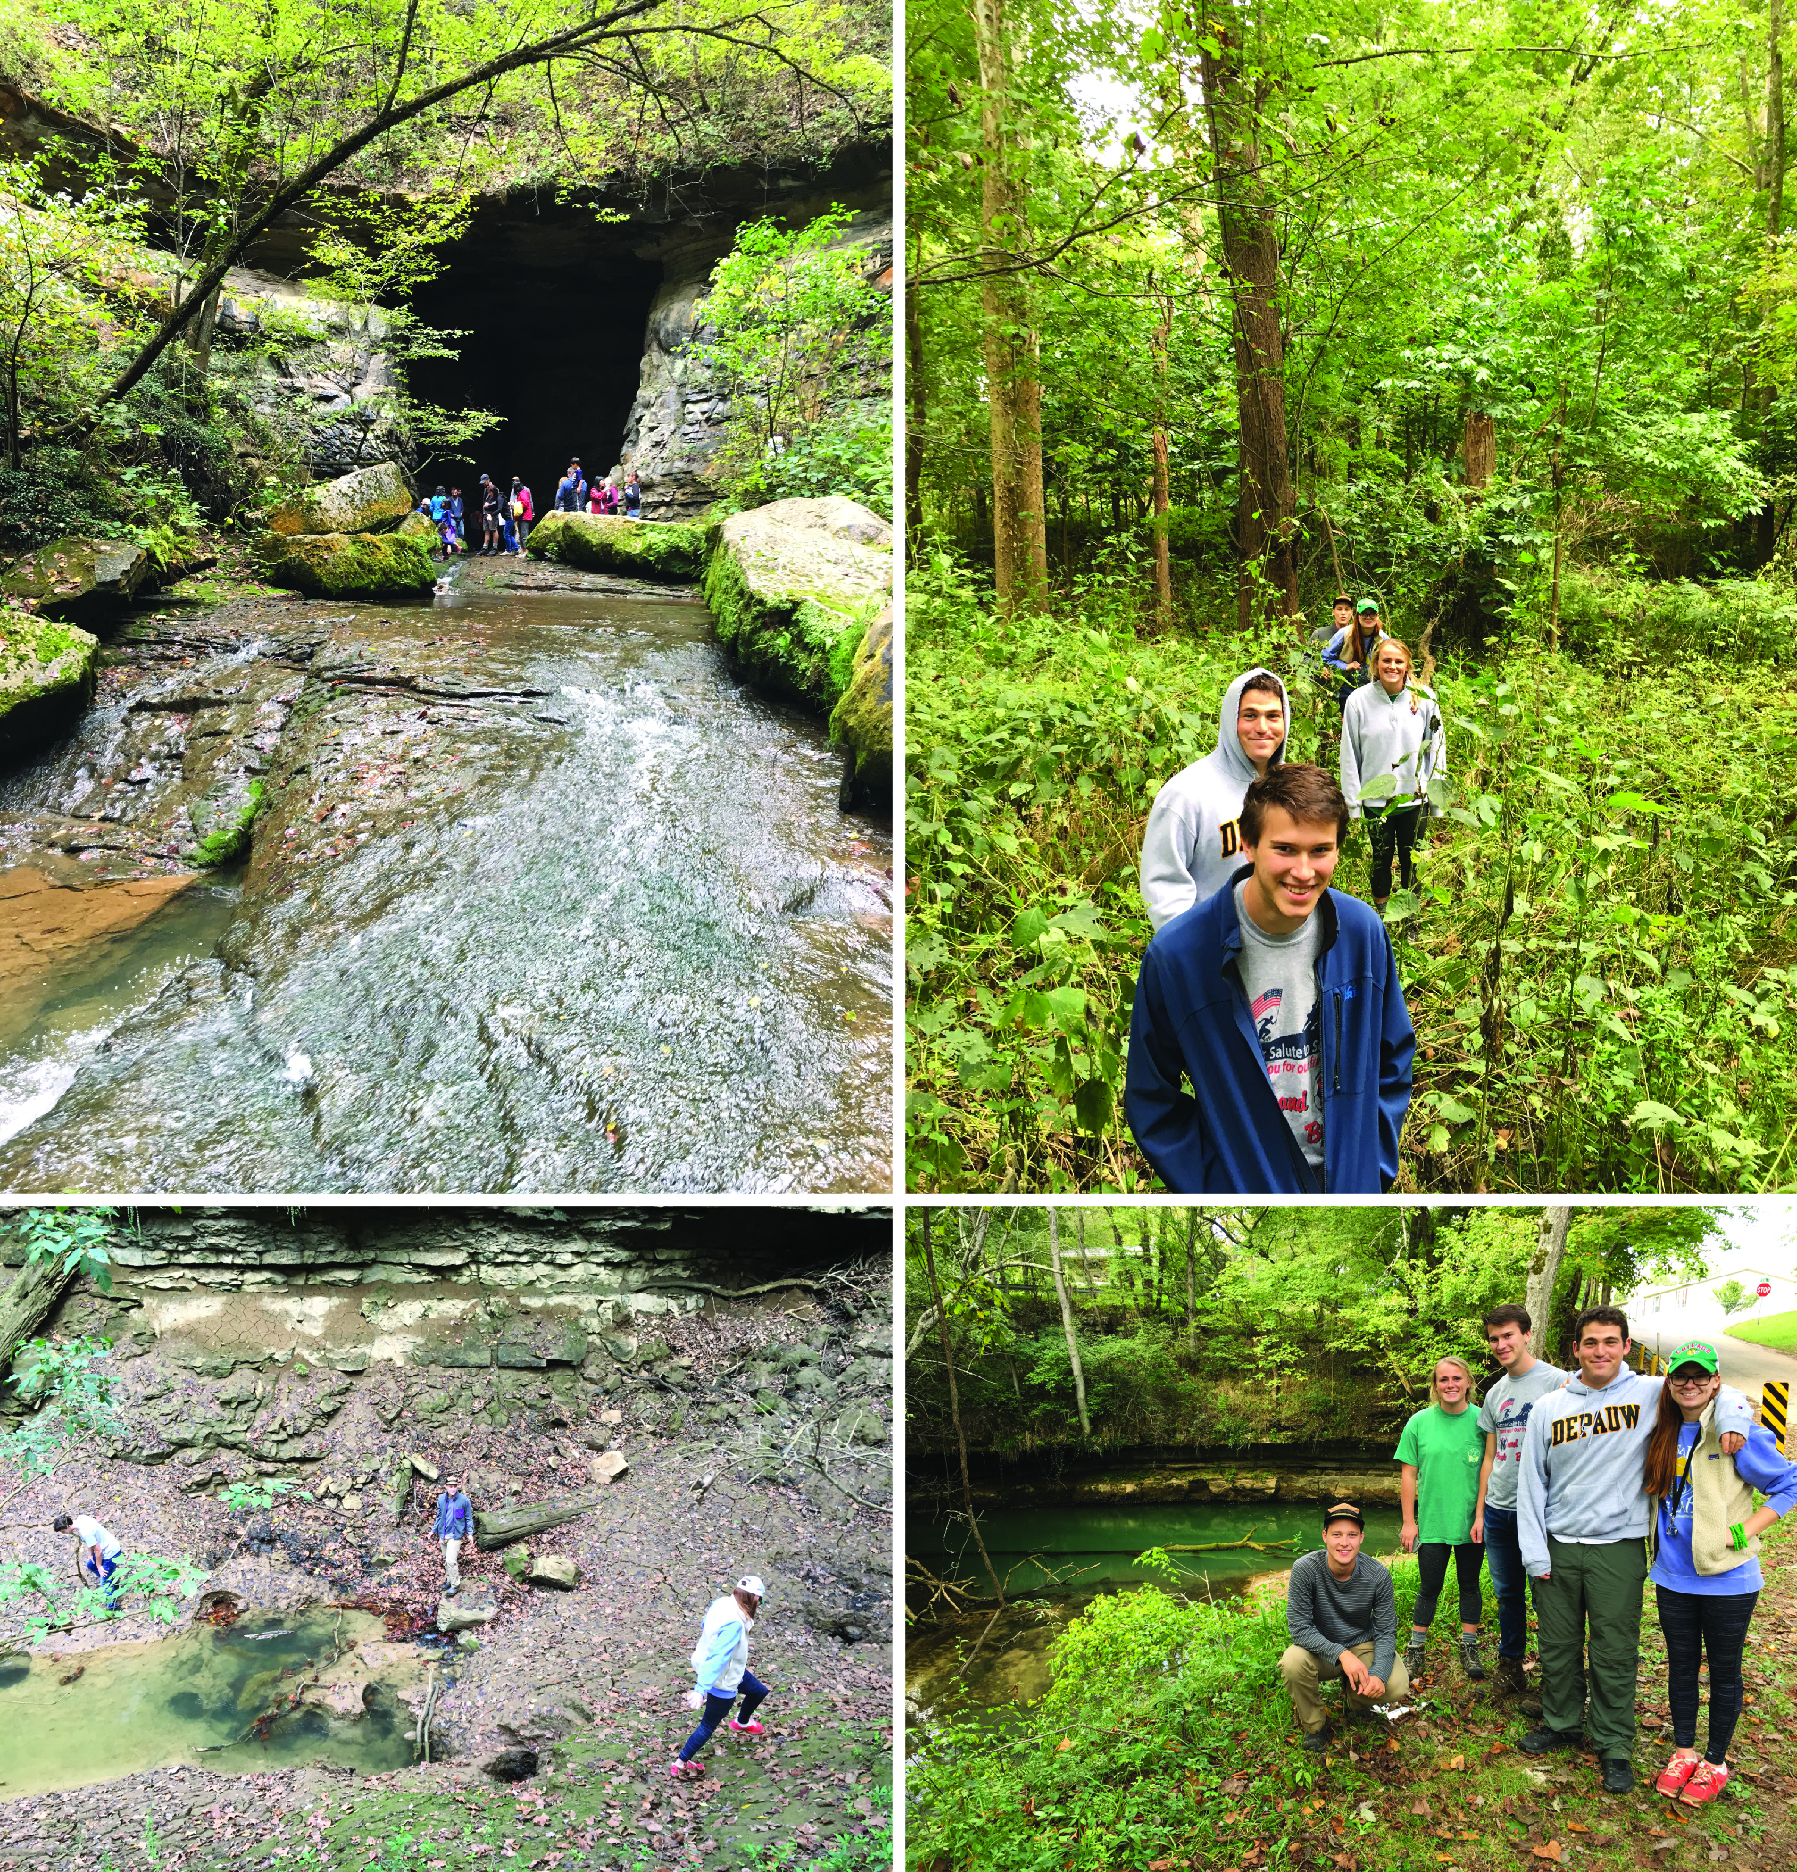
541, 898
189, 1699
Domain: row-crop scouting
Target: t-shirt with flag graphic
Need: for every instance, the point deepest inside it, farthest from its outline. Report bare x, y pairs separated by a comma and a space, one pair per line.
1279, 975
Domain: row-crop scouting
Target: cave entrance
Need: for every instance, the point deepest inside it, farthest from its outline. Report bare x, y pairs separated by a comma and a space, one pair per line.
556, 308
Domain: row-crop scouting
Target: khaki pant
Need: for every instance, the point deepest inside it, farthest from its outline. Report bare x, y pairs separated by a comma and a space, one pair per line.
451, 1574
1304, 1672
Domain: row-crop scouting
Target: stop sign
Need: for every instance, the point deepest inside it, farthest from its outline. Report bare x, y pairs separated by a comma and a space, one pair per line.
1764, 1288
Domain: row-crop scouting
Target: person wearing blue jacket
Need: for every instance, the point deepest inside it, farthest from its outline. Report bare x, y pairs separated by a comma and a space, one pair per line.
1269, 1045
1347, 656
1706, 1569
455, 1518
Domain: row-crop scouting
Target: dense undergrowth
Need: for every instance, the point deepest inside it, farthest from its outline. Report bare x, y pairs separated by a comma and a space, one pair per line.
1598, 961
1166, 1739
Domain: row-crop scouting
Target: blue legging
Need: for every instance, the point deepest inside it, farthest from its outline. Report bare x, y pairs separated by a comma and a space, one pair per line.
751, 1690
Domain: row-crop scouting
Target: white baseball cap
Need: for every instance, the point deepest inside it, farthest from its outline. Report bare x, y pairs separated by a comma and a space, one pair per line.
751, 1583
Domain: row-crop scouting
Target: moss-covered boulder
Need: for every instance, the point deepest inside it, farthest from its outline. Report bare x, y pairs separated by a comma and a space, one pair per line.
862, 721
417, 526
650, 549
793, 587
78, 580
369, 501
350, 565
46, 680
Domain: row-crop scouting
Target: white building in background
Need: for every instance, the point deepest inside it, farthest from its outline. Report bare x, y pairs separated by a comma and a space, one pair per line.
1661, 1316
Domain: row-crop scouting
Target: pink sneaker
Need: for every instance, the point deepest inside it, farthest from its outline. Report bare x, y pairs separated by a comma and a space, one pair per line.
1675, 1774
751, 1727
1704, 1785
675, 1766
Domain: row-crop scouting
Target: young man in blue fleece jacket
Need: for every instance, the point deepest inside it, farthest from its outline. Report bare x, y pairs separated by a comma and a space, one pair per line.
1582, 1521
1277, 1000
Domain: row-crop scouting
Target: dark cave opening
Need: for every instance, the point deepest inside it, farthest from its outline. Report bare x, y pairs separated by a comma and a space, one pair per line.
555, 315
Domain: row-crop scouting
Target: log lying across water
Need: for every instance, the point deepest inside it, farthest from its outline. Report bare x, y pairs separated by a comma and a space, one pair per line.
502, 1526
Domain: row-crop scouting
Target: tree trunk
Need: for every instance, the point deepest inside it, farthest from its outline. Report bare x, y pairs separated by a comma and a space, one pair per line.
28, 1302
502, 1526
1265, 534
1163, 561
954, 1402
1775, 123
1060, 1288
1191, 1282
916, 413
1544, 1270
1013, 366
1479, 446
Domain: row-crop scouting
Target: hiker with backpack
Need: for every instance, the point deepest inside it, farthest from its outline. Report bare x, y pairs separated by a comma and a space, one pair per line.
1392, 726
522, 512
633, 497
491, 536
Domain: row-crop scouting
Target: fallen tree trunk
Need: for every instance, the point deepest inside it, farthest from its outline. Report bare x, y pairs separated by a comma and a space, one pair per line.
27, 1303
505, 1525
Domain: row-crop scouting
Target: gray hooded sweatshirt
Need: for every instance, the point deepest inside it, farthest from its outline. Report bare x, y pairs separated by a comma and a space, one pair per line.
1193, 843
1399, 735
1584, 1457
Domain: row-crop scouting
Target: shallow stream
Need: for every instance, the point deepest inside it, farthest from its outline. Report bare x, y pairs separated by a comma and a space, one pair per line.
123, 1709
541, 898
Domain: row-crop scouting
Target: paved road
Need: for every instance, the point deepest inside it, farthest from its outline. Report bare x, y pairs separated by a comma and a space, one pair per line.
1747, 1367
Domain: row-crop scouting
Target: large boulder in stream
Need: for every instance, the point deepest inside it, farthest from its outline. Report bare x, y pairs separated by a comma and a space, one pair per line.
77, 579
647, 549
369, 501
350, 565
793, 587
862, 721
46, 680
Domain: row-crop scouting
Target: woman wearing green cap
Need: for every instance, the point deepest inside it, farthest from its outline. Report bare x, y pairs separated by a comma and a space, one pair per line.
1706, 1570
1441, 1449
1345, 655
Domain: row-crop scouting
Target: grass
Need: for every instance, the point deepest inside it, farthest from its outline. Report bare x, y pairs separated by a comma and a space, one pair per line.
1777, 1330
1598, 961
1167, 1741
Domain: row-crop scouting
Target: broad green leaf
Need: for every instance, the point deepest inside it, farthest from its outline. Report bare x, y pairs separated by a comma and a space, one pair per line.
1026, 932
1380, 787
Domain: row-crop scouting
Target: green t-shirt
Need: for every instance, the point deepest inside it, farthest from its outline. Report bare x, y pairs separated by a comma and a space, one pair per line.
1447, 1452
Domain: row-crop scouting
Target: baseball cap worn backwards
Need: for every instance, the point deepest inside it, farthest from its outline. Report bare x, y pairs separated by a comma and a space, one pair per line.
1343, 1511
1694, 1352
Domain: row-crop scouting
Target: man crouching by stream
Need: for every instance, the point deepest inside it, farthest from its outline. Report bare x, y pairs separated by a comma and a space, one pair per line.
1343, 1618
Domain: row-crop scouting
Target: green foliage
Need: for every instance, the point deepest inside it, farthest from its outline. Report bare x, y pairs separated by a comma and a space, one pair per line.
229, 843
254, 1497
1596, 964
799, 338
54, 492
36, 1600
1733, 1298
1777, 1330
78, 1234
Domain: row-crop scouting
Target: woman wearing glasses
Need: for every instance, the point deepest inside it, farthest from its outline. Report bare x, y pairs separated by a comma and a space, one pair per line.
1706, 1570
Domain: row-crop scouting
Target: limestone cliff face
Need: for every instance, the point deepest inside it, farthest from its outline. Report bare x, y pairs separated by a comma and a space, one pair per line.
677, 421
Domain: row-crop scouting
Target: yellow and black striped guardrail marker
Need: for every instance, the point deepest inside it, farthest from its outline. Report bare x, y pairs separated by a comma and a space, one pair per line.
1775, 1402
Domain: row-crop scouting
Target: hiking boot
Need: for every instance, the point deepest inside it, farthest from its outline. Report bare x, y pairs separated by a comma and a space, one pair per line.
1507, 1678
449, 1592
1414, 1653
1619, 1776
1543, 1740
1469, 1657
1315, 1741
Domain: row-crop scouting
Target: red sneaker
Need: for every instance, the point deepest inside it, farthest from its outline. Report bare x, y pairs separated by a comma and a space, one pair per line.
1705, 1784
751, 1727
1675, 1774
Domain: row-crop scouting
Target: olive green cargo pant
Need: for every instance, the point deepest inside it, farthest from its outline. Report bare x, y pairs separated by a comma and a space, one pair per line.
1599, 1586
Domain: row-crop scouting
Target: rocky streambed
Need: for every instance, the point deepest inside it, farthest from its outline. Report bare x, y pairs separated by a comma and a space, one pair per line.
518, 889
701, 1441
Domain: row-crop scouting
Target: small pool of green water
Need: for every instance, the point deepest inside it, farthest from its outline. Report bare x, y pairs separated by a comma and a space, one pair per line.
186, 1701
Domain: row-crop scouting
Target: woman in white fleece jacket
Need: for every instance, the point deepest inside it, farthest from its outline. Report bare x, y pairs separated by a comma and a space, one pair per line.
1392, 726
721, 1668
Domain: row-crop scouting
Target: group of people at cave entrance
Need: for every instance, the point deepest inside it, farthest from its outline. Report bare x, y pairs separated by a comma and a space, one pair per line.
507, 515
1576, 1488
1270, 1048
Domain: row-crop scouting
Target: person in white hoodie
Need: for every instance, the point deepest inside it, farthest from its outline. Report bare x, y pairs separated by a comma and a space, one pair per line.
721, 1669
1392, 726
1193, 844
1582, 1521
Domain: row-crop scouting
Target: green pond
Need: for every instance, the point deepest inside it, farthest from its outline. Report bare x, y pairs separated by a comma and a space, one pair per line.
1054, 1561
173, 1702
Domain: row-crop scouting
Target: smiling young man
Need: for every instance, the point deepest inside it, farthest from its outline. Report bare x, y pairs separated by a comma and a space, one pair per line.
1343, 1617
1269, 1046
1193, 841
1582, 1521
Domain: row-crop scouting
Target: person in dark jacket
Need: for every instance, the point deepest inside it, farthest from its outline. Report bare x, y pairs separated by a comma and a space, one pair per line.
1277, 999
455, 1520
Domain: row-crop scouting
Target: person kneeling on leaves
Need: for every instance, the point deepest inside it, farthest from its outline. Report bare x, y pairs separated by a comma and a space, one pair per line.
721, 1667
1343, 1617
